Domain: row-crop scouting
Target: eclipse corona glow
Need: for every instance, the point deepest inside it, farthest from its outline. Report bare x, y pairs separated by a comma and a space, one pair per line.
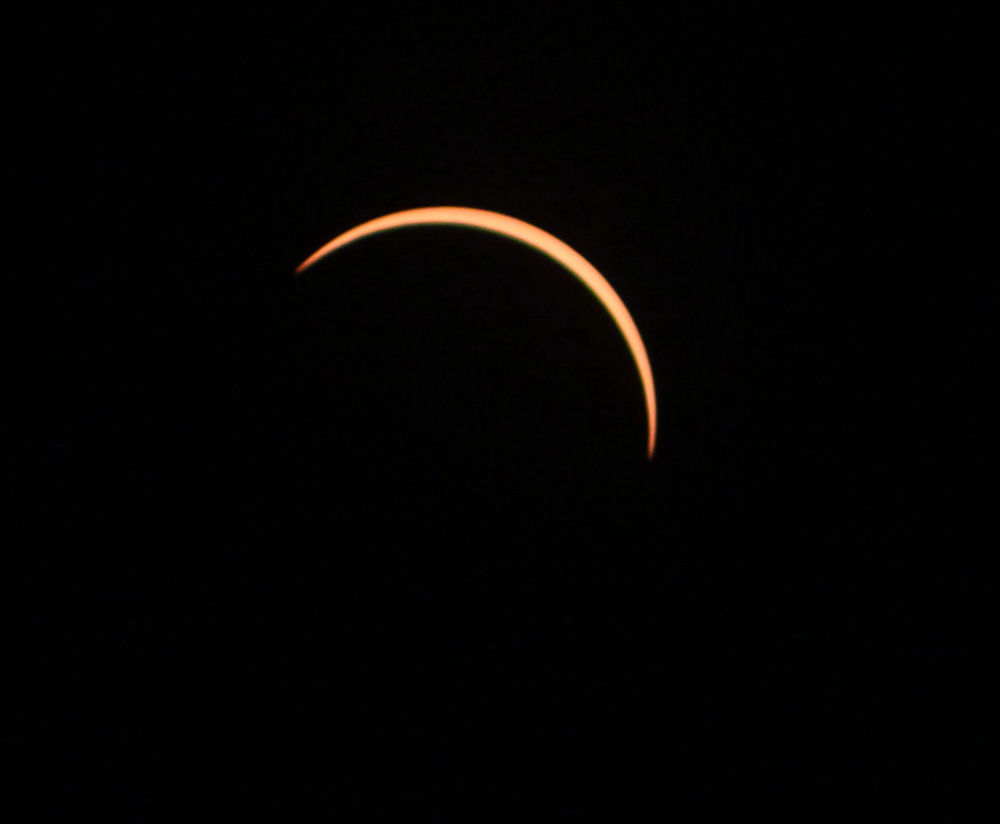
537, 239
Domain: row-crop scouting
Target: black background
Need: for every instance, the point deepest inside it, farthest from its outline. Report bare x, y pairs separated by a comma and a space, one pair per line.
382, 539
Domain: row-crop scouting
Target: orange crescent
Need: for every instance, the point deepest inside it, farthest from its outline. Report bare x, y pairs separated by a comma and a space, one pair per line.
537, 239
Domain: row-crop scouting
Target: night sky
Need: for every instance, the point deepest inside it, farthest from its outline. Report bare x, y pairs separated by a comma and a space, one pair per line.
381, 542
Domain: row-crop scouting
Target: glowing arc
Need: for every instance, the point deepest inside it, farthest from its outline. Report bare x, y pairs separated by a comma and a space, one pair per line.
531, 236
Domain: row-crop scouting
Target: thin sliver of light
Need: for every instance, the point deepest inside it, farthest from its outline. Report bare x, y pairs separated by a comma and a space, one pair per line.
537, 239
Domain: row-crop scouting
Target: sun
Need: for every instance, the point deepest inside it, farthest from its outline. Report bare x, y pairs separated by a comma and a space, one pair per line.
537, 239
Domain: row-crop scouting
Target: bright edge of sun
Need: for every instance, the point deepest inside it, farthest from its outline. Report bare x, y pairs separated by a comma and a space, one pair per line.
531, 236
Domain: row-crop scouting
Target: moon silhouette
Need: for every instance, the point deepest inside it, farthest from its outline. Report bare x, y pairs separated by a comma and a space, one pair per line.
535, 238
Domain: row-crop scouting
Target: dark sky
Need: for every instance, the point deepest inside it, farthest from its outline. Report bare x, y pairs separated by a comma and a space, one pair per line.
382, 540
